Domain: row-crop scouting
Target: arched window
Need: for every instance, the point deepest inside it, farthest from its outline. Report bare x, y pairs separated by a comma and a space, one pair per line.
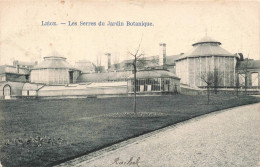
7, 91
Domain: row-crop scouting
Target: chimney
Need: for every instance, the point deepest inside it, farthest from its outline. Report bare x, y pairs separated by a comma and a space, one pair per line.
17, 68
108, 60
162, 56
241, 56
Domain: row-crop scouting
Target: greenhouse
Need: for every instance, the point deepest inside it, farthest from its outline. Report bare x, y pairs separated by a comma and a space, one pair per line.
155, 80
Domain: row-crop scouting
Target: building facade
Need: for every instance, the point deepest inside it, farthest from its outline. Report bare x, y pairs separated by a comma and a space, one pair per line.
54, 70
54, 76
12, 73
248, 74
207, 56
85, 66
154, 81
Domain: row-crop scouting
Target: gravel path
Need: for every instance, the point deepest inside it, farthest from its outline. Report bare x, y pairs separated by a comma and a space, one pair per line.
229, 138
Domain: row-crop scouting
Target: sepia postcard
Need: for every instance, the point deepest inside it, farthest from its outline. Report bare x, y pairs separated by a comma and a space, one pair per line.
129, 83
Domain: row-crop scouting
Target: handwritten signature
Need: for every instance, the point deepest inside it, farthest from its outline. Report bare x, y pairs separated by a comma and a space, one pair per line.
118, 161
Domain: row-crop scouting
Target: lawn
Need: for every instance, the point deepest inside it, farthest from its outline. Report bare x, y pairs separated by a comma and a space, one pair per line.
44, 132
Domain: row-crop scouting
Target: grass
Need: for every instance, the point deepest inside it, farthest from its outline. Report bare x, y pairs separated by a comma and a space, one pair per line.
47, 132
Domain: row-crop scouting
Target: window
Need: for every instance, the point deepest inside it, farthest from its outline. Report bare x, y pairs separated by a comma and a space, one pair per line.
162, 84
254, 77
7, 90
146, 85
155, 84
165, 84
2, 78
137, 85
71, 76
241, 78
27, 78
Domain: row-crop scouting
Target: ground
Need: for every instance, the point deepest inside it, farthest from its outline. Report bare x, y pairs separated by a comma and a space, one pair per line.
226, 138
47, 132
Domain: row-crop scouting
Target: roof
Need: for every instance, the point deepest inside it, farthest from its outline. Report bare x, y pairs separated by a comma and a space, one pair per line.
30, 86
171, 59
130, 61
158, 73
85, 66
107, 84
206, 39
148, 58
141, 62
54, 61
206, 47
84, 61
18, 62
102, 77
87, 86
13, 70
251, 64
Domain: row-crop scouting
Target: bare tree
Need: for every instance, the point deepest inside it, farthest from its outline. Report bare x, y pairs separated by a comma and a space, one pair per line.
136, 56
208, 79
243, 71
117, 66
141, 62
155, 60
216, 80
237, 84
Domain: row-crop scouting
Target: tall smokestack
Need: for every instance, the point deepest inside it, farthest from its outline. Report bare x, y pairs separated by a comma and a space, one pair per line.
162, 56
108, 60
18, 68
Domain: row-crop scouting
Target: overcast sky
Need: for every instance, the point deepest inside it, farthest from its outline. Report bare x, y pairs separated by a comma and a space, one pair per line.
235, 24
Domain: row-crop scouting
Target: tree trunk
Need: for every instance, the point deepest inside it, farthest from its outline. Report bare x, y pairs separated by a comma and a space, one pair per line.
208, 93
215, 90
237, 85
135, 86
246, 84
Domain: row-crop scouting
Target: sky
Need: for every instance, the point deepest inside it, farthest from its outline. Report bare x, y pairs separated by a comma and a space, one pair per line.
179, 24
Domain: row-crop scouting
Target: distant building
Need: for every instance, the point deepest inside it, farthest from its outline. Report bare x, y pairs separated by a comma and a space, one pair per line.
14, 74
54, 70
85, 66
12, 79
248, 73
10, 90
170, 63
158, 74
23, 64
143, 62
